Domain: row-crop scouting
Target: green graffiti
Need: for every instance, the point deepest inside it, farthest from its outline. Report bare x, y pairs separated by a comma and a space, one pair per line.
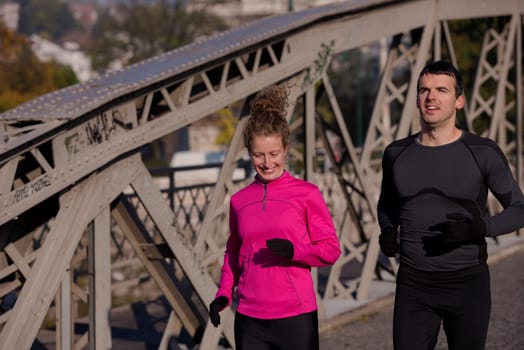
319, 65
73, 144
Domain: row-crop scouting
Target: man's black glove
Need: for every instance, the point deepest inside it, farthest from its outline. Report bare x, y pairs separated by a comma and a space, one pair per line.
281, 247
215, 307
388, 241
461, 228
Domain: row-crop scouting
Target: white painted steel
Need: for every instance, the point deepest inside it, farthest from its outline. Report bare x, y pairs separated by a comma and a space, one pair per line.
74, 140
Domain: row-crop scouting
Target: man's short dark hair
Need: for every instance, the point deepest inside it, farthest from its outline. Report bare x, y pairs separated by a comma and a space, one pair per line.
444, 67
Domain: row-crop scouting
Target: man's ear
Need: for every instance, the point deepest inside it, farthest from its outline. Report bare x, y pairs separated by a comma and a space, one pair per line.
461, 101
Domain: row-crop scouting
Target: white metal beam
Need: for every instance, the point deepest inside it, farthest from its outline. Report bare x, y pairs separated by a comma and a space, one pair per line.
184, 252
80, 205
99, 266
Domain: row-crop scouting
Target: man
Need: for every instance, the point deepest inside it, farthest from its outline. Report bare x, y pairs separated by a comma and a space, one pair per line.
434, 192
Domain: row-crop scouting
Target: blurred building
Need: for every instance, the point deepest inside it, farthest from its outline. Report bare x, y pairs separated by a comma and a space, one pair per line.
9, 15
241, 11
85, 14
67, 55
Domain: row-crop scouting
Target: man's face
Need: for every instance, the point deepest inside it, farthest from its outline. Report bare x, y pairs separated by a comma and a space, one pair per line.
437, 100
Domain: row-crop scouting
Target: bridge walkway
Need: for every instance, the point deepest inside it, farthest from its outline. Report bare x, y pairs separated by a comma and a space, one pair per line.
352, 326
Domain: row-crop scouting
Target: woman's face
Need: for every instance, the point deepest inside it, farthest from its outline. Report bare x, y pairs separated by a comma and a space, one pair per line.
268, 156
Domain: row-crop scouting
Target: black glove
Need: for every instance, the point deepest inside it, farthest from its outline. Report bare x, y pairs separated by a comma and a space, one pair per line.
215, 307
461, 228
281, 247
388, 241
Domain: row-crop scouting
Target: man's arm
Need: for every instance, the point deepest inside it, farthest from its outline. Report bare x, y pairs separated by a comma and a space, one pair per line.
387, 210
503, 186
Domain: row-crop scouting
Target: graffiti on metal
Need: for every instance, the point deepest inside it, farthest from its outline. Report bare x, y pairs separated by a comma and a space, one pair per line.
29, 189
98, 130
320, 64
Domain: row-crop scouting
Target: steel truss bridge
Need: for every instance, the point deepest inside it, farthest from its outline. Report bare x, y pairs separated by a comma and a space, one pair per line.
76, 196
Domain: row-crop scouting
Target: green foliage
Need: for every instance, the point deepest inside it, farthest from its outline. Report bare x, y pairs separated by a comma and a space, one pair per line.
64, 76
226, 124
143, 30
23, 76
467, 37
355, 81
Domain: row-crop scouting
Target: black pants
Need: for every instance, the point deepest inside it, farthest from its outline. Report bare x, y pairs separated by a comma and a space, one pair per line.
291, 333
461, 300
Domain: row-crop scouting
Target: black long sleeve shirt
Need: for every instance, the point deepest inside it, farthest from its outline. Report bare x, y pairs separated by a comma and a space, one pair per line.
422, 184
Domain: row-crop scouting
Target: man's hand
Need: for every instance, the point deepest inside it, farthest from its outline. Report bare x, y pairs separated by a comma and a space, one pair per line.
461, 228
281, 247
388, 241
215, 307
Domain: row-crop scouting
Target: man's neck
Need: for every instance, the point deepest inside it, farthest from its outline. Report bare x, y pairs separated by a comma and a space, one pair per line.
438, 137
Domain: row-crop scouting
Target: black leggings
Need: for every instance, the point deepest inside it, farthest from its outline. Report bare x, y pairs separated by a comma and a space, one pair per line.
461, 300
290, 333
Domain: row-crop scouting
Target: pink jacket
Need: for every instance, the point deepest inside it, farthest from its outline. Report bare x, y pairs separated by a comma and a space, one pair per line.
271, 286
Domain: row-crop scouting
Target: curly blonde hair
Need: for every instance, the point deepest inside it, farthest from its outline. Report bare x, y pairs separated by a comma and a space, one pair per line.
268, 115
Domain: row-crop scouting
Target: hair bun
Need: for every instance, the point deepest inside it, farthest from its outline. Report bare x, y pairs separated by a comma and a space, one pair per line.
270, 100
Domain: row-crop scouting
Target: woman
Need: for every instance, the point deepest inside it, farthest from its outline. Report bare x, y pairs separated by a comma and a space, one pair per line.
280, 227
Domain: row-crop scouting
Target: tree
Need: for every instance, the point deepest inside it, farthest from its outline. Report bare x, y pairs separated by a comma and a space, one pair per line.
226, 125
134, 32
49, 18
22, 75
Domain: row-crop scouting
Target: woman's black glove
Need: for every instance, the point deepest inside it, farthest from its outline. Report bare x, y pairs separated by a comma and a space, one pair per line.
281, 247
388, 241
215, 307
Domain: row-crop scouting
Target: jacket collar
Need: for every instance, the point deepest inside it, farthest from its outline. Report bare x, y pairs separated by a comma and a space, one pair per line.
281, 179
